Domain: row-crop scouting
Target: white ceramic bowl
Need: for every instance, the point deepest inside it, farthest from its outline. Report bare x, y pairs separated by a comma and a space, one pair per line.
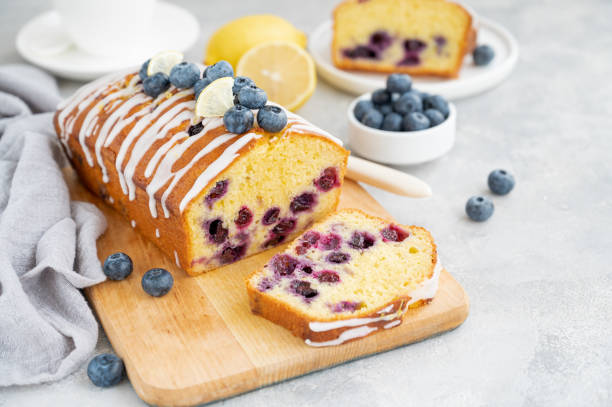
401, 147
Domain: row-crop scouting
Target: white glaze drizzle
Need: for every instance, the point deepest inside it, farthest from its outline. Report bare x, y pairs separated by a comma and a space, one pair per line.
157, 233
392, 324
157, 117
155, 132
176, 259
224, 160
425, 291
164, 171
133, 223
345, 336
149, 124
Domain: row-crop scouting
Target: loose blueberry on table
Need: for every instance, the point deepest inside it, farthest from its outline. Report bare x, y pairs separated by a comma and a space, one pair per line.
479, 208
157, 282
501, 182
106, 370
118, 266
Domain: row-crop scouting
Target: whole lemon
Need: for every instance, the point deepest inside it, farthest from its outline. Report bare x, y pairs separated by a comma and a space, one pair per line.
235, 38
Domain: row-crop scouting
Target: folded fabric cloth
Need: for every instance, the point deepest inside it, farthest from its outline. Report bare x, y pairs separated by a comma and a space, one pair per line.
47, 243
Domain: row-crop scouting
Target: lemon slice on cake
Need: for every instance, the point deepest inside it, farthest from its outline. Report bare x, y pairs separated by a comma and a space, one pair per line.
284, 70
216, 98
164, 61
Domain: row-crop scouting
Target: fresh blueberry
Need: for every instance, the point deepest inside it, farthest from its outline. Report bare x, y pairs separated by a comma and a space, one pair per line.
392, 122
219, 70
184, 75
483, 55
157, 282
252, 97
199, 86
434, 116
384, 109
143, 70
436, 102
362, 107
399, 83
407, 103
105, 370
156, 84
500, 182
118, 266
415, 121
240, 82
479, 208
373, 118
381, 96
272, 118
238, 119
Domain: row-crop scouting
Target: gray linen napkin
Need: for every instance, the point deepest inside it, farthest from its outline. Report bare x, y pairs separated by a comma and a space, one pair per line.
47, 242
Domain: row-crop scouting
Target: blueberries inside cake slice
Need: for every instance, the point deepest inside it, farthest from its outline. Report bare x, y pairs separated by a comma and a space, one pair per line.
346, 277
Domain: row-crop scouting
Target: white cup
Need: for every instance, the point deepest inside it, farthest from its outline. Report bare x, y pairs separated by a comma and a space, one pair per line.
107, 27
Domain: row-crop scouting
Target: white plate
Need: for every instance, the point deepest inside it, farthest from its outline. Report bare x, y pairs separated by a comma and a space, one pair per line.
43, 42
472, 79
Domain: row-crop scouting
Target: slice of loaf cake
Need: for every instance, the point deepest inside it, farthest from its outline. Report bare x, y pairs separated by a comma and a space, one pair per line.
348, 276
419, 37
206, 196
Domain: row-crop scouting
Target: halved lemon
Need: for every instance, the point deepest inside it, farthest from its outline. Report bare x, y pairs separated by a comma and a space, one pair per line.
164, 61
284, 70
216, 98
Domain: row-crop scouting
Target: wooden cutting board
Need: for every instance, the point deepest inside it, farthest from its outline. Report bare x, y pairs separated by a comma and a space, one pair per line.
201, 343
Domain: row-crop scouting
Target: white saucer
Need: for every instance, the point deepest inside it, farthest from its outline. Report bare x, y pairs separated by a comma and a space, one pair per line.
43, 42
472, 79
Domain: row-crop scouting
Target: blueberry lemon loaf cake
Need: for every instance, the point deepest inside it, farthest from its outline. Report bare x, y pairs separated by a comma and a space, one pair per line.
348, 276
419, 37
204, 193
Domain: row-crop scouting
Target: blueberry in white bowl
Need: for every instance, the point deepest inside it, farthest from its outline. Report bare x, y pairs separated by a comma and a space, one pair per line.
411, 132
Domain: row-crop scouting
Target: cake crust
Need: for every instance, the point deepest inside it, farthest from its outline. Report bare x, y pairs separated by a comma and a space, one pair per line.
299, 323
467, 46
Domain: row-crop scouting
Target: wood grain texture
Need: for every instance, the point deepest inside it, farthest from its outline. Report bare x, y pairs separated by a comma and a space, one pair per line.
200, 342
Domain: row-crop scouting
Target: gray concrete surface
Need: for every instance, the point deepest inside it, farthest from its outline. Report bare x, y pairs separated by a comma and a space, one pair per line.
538, 273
